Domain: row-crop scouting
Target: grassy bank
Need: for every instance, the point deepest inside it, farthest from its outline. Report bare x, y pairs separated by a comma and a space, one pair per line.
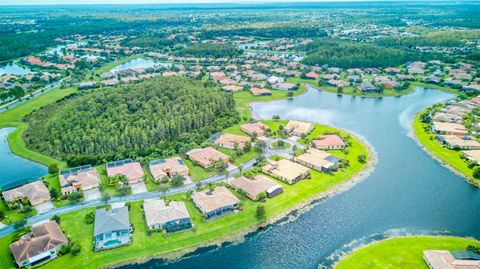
447, 156
145, 245
402, 252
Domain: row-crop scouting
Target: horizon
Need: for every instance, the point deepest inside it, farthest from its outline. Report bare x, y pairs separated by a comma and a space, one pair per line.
185, 2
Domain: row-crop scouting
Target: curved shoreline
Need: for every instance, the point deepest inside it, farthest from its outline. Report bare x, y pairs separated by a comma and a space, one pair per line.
412, 134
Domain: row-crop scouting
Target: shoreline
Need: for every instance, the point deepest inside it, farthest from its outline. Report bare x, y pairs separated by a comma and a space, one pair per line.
412, 134
281, 218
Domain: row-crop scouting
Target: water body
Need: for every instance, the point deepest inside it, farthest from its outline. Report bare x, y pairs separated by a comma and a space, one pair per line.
14, 69
408, 192
138, 63
15, 170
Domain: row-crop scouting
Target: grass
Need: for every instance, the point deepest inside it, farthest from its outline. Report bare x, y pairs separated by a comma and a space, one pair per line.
402, 252
147, 245
449, 156
237, 160
114, 64
12, 216
276, 146
197, 173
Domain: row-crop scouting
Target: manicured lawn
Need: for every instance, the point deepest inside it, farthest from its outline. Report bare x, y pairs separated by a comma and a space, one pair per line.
245, 157
147, 245
12, 216
452, 157
276, 145
197, 173
403, 252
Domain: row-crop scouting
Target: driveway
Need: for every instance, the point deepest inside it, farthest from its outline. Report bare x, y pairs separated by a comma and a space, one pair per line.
92, 194
138, 188
43, 207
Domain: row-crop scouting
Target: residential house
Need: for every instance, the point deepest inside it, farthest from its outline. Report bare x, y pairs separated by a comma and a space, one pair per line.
232, 88
367, 87
459, 142
42, 244
79, 178
36, 193
254, 187
260, 91
444, 259
171, 217
317, 159
254, 129
168, 168
284, 86
337, 83
472, 155
312, 75
207, 156
112, 228
298, 128
286, 170
231, 141
215, 203
447, 128
131, 170
330, 141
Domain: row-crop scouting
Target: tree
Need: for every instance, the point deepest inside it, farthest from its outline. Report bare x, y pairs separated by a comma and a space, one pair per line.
19, 225
75, 248
56, 218
260, 145
90, 217
105, 197
476, 172
53, 168
178, 180
54, 193
75, 196
290, 94
340, 90
262, 196
362, 158
123, 190
260, 212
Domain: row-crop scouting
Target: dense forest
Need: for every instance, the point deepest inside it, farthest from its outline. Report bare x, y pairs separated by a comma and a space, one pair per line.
279, 31
209, 50
433, 39
158, 117
150, 42
353, 54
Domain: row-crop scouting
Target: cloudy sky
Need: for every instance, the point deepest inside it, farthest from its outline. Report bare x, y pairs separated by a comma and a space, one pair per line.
84, 2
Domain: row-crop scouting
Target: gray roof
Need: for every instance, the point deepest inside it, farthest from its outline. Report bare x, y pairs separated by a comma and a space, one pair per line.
113, 220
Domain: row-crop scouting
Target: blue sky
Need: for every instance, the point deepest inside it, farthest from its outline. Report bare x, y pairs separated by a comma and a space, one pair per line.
86, 2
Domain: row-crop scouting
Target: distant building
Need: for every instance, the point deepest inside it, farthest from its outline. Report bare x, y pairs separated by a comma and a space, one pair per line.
260, 91
447, 128
444, 259
457, 142
112, 228
215, 203
39, 246
171, 217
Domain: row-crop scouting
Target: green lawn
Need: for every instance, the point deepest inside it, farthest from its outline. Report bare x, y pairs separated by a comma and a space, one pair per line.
12, 216
276, 146
403, 252
237, 160
197, 173
147, 245
452, 157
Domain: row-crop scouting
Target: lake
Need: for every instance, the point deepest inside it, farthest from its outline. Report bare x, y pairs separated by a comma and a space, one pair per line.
14, 69
15, 170
138, 63
408, 192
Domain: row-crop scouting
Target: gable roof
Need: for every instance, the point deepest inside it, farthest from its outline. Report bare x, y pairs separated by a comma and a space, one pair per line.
113, 220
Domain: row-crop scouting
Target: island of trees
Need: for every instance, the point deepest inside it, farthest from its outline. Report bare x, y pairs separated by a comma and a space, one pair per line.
159, 117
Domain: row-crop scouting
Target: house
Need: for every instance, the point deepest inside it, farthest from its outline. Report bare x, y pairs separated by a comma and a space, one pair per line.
232, 88
40, 245
260, 91
444, 259
259, 184
286, 170
312, 75
207, 156
168, 168
231, 141
446, 117
215, 203
275, 80
298, 128
337, 83
254, 129
284, 86
367, 87
79, 178
171, 217
330, 141
131, 170
471, 87
36, 193
472, 155
457, 142
317, 159
112, 228
447, 128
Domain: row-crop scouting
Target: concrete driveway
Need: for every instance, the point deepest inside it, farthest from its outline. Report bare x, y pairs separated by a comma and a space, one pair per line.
43, 207
138, 188
92, 194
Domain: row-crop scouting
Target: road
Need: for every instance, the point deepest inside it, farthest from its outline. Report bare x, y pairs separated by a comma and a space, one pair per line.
128, 198
37, 93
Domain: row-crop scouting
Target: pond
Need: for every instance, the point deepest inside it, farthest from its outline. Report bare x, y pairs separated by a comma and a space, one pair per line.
15, 170
139, 63
409, 192
14, 69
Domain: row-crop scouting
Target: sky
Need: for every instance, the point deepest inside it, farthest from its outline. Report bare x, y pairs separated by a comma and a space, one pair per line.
87, 2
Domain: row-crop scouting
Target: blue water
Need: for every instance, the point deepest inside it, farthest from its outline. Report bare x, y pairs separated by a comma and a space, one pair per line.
408, 192
15, 170
138, 63
14, 69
